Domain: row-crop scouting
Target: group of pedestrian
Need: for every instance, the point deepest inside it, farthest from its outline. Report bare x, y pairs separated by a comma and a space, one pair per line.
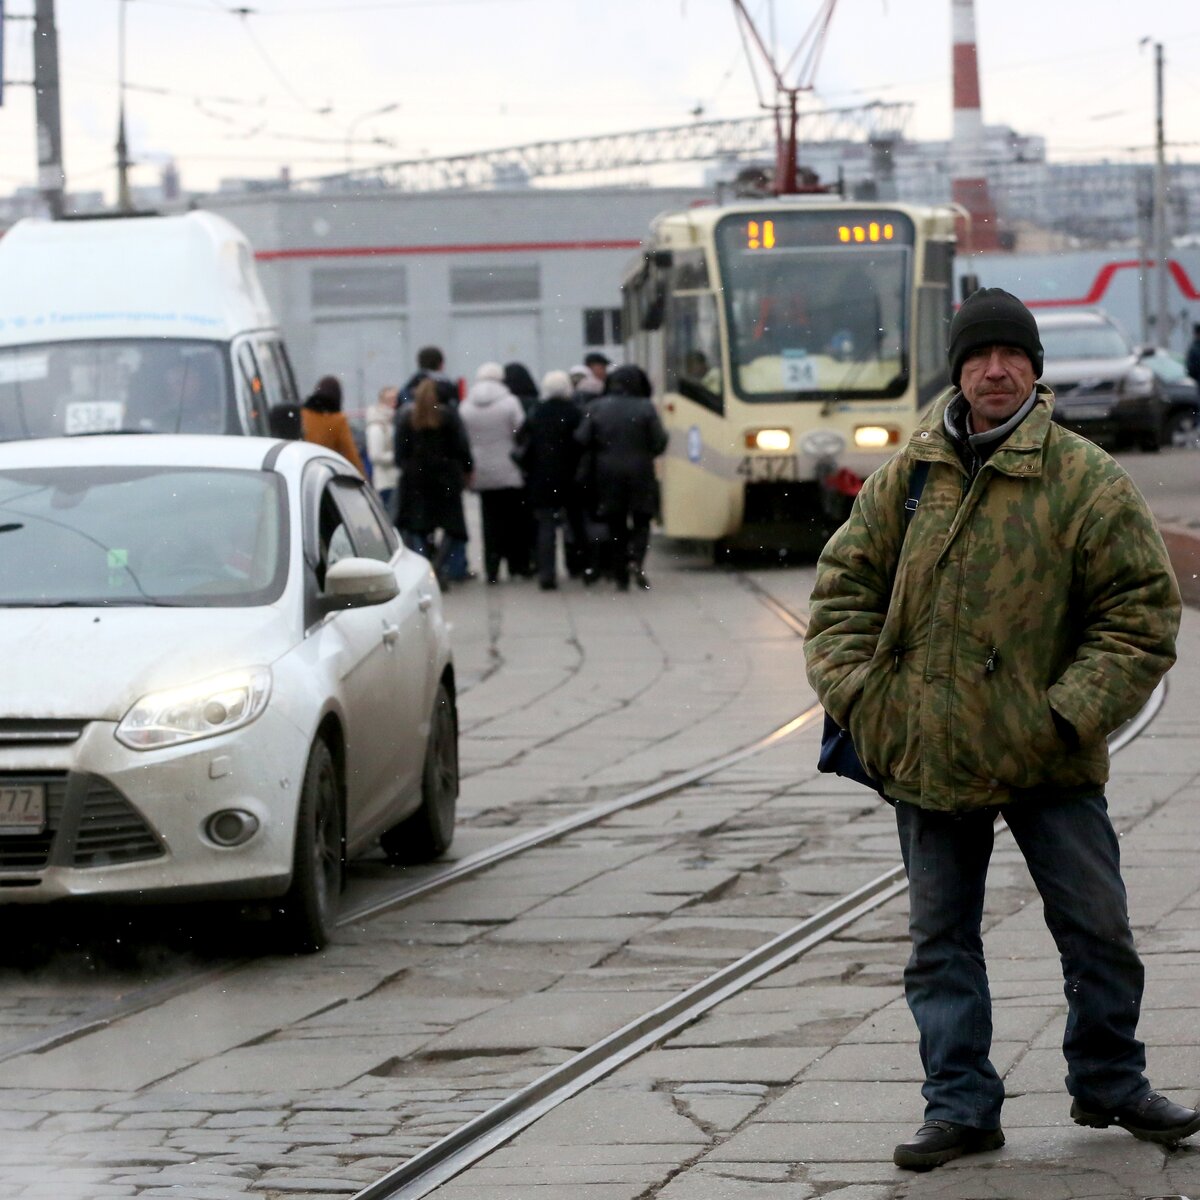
572, 460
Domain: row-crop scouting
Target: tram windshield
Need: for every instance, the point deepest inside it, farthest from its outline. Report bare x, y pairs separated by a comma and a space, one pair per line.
152, 385
817, 303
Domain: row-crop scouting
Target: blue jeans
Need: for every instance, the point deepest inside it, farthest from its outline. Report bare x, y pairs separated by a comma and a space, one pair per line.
1072, 853
456, 559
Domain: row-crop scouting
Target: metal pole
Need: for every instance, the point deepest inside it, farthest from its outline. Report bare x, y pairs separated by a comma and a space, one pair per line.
1145, 208
48, 114
124, 200
1162, 318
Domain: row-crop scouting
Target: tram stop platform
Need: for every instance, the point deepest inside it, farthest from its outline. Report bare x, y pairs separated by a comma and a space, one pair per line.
801, 1086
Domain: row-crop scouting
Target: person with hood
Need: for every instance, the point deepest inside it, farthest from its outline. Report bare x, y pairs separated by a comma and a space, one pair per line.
621, 435
492, 416
549, 459
323, 421
980, 652
381, 446
434, 456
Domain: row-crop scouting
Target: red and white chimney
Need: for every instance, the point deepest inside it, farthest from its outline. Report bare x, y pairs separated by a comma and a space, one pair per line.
968, 171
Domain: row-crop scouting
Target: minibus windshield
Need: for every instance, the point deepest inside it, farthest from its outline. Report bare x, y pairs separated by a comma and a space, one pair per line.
152, 385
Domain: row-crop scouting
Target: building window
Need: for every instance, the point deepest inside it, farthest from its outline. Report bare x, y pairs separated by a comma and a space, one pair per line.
495, 285
359, 287
602, 327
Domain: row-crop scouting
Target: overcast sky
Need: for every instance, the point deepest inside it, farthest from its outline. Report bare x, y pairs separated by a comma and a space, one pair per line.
226, 95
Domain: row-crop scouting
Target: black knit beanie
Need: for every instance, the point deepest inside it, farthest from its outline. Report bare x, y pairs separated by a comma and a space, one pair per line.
993, 317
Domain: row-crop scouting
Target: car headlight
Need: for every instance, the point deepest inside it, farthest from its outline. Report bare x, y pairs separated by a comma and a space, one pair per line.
203, 710
1138, 384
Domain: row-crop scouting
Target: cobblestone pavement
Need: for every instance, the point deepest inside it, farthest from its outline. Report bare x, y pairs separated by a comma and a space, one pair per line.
311, 1077
801, 1086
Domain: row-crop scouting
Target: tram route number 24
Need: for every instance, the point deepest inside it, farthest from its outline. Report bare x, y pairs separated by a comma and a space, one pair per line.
769, 468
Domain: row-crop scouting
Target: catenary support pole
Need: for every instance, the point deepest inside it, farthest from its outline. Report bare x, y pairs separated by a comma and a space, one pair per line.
48, 110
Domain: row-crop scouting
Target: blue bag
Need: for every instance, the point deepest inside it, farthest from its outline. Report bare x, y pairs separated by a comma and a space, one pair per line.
838, 755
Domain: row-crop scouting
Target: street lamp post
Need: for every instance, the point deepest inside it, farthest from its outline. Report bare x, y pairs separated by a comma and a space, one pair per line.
375, 112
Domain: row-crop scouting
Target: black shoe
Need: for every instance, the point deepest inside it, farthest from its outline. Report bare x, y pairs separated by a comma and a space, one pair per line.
590, 576
1154, 1118
938, 1142
548, 585
640, 580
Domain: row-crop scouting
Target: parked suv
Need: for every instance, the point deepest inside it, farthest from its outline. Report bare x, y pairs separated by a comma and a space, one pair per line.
1102, 388
1183, 396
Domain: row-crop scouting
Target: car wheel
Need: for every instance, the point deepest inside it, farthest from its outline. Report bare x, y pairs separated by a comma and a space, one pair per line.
429, 831
307, 913
1183, 429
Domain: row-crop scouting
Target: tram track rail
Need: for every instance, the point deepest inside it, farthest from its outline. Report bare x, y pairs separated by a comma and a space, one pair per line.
148, 996
454, 1153
473, 1141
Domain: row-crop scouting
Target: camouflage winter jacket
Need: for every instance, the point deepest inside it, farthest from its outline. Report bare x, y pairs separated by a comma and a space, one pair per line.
1043, 584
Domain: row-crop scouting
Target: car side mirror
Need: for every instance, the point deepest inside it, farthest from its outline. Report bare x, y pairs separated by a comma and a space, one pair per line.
358, 583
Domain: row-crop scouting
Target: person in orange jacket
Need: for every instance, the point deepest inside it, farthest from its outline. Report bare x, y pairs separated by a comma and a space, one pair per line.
325, 423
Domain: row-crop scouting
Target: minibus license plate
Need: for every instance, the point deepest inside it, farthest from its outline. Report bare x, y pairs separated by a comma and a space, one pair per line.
93, 416
22, 808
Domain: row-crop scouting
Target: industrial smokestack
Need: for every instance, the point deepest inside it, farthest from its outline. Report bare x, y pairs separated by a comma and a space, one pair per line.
969, 186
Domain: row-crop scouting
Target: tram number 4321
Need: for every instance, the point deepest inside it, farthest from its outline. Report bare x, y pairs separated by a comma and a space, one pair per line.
769, 468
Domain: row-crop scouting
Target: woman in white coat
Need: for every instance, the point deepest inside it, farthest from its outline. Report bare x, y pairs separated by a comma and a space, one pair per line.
381, 440
493, 416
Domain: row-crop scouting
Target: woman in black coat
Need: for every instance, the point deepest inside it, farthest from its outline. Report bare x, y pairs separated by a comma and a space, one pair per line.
622, 435
549, 456
434, 457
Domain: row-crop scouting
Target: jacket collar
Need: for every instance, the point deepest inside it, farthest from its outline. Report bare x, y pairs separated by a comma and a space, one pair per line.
1021, 453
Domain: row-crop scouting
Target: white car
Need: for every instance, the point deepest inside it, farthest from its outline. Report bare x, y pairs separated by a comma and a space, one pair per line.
223, 676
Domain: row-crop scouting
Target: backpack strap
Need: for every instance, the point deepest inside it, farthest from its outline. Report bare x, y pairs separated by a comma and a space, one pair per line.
916, 485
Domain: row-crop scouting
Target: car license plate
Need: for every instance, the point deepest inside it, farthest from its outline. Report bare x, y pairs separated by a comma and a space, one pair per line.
769, 468
22, 808
93, 416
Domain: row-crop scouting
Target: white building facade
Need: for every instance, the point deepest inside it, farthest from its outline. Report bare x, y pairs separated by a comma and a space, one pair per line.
361, 282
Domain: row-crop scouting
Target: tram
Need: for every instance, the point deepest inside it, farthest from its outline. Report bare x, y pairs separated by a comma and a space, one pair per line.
793, 343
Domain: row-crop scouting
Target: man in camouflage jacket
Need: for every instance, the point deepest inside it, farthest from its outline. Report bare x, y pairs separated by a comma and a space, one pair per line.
980, 659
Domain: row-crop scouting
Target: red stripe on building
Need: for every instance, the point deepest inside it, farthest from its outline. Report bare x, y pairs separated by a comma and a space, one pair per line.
450, 248
966, 75
1104, 277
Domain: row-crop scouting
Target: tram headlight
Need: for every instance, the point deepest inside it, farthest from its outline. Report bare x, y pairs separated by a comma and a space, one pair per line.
875, 437
769, 439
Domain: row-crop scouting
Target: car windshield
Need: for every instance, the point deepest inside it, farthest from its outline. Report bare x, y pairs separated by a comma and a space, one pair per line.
1084, 341
155, 385
817, 303
94, 536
